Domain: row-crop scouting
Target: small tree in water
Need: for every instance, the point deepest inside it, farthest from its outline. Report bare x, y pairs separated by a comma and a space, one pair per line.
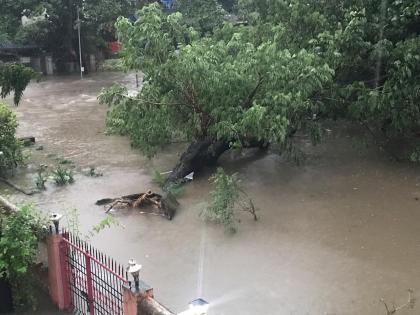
226, 198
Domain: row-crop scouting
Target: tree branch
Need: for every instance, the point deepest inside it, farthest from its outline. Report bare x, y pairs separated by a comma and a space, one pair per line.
410, 303
150, 102
248, 101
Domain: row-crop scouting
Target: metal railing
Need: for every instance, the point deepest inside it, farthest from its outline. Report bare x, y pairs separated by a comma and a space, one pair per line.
95, 280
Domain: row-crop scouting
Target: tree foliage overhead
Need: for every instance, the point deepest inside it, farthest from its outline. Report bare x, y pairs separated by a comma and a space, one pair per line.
287, 65
14, 78
373, 47
227, 198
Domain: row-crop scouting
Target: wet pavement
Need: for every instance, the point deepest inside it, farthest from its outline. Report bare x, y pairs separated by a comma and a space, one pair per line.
335, 234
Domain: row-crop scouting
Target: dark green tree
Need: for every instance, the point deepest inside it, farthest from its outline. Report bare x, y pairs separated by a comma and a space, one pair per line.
291, 65
372, 46
14, 78
56, 32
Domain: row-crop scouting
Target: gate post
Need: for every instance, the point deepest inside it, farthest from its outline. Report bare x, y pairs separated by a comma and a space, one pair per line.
141, 301
58, 277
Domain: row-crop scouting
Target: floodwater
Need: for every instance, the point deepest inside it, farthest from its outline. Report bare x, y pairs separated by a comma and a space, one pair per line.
335, 234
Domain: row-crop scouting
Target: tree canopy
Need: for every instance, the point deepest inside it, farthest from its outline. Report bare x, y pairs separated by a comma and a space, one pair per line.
55, 29
287, 65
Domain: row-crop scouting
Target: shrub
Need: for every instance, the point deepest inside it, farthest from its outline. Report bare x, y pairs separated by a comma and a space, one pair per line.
20, 232
222, 200
62, 176
10, 146
226, 198
41, 177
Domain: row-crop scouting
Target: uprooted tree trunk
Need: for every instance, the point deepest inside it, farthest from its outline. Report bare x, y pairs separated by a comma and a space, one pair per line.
203, 153
198, 154
162, 205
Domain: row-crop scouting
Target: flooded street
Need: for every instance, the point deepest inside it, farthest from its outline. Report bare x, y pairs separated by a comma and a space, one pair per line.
335, 234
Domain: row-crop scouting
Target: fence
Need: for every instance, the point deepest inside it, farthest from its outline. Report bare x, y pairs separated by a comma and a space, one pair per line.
84, 280
94, 279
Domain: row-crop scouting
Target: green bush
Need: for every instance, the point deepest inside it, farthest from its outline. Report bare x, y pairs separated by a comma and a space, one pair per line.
20, 232
10, 146
226, 199
62, 176
223, 197
41, 177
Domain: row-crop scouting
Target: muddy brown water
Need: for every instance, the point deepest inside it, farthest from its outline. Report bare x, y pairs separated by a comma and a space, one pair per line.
335, 234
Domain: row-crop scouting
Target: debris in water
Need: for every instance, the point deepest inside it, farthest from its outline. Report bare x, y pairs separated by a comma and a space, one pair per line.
394, 309
166, 205
189, 177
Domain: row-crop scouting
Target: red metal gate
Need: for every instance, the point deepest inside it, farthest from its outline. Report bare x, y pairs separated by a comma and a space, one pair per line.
94, 279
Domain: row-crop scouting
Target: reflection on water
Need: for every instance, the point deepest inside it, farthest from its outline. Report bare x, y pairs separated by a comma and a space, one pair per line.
334, 236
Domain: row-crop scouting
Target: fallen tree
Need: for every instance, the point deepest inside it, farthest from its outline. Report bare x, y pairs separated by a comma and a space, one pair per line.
151, 203
201, 153
219, 92
266, 79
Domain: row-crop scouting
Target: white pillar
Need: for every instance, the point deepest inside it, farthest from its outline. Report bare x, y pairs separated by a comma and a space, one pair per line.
49, 67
